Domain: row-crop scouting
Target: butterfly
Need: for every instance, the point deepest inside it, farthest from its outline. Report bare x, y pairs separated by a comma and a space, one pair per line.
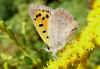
55, 26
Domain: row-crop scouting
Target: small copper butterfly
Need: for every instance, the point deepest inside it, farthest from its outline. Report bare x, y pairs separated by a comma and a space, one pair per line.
55, 26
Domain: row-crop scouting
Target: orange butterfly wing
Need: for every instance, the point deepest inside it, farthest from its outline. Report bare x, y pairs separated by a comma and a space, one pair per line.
40, 16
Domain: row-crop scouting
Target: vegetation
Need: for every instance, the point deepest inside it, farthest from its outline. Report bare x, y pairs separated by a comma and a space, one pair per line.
22, 48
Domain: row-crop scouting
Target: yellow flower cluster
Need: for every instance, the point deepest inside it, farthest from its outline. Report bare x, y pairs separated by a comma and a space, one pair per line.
96, 4
76, 54
98, 67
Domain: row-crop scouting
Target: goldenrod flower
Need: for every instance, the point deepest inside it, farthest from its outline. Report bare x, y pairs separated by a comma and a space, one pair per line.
96, 4
98, 67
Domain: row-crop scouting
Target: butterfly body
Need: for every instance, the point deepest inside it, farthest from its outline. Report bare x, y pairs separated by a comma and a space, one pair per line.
54, 26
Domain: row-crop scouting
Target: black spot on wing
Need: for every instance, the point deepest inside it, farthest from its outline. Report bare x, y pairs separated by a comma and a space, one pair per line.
43, 18
48, 47
38, 15
47, 37
44, 31
47, 16
40, 25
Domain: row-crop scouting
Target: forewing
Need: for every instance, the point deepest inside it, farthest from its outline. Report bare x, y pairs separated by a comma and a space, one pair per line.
40, 15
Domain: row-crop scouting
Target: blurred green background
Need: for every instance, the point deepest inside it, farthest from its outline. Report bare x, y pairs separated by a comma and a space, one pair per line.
20, 45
